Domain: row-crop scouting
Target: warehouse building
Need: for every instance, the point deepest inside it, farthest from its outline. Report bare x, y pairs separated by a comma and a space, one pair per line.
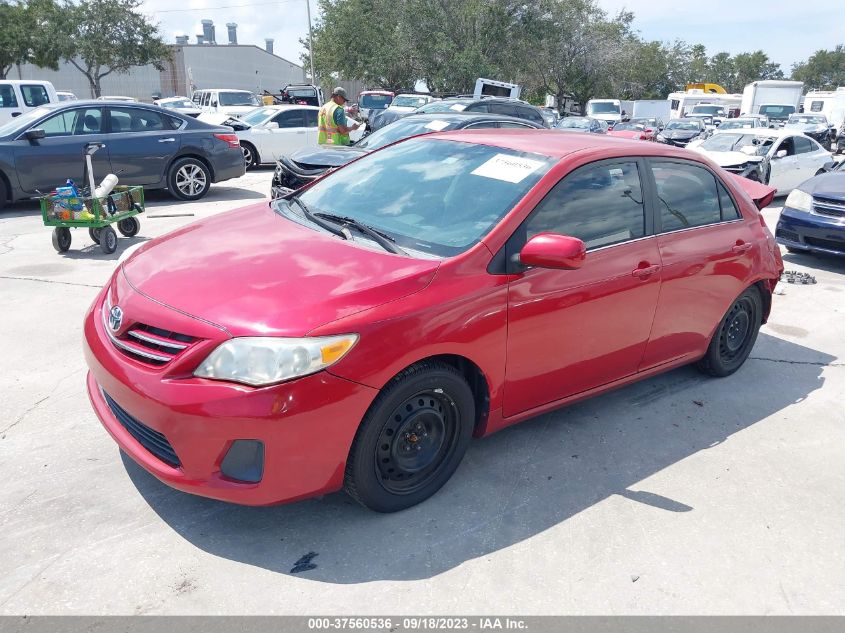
192, 66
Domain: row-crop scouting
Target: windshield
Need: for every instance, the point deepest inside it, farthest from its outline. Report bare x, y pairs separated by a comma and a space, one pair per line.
181, 103
434, 196
254, 117
408, 102
807, 119
23, 121
636, 127
374, 102
304, 93
777, 111
731, 124
683, 125
447, 105
748, 143
708, 109
603, 108
404, 128
578, 123
238, 99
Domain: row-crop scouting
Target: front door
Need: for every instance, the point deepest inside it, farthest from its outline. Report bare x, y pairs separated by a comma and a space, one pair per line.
572, 330
47, 163
291, 135
784, 171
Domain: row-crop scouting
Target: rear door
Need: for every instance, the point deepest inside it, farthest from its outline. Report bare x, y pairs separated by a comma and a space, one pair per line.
141, 143
572, 330
47, 163
706, 249
811, 156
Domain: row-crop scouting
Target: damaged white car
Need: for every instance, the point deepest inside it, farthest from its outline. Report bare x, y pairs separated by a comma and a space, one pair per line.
779, 158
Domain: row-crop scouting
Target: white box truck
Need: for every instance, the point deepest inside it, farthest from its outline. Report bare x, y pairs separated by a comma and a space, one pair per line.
830, 103
773, 99
651, 109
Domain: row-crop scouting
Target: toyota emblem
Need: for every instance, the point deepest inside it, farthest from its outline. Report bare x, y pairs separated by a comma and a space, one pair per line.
115, 318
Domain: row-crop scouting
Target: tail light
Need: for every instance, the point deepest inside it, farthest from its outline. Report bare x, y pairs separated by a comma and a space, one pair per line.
231, 139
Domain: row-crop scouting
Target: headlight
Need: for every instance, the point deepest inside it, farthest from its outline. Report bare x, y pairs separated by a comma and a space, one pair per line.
660, 137
799, 200
260, 360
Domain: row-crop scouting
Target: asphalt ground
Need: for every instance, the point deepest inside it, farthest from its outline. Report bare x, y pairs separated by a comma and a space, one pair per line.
681, 494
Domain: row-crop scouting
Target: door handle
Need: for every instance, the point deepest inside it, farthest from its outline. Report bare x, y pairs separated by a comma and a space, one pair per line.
169, 139
645, 272
741, 247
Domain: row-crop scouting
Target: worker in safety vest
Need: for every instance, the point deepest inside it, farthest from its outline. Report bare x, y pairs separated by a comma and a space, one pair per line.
331, 121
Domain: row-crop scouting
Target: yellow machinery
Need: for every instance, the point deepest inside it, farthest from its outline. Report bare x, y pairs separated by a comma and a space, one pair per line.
711, 88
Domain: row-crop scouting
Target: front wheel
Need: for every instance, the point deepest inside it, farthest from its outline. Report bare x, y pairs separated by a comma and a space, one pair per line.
108, 240
188, 179
94, 234
735, 335
61, 239
129, 227
250, 155
412, 438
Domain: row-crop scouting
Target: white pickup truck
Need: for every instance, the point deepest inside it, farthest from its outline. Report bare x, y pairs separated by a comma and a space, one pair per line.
19, 96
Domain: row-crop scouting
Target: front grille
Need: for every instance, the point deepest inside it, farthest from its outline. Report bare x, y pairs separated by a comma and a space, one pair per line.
148, 344
831, 245
149, 438
829, 207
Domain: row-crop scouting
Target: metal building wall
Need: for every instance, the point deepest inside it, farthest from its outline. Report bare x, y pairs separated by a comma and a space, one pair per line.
244, 67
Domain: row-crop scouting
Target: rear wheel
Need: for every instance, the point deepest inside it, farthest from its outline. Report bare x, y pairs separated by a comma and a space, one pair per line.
108, 240
188, 179
61, 239
94, 234
412, 438
735, 336
4, 194
129, 227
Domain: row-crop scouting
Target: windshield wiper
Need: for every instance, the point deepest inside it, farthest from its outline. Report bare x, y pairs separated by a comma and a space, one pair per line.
315, 218
384, 240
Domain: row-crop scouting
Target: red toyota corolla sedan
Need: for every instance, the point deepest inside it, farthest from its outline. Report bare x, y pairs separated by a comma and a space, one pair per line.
358, 333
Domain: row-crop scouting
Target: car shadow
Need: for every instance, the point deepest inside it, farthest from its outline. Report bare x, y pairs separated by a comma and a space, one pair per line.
821, 261
512, 485
93, 251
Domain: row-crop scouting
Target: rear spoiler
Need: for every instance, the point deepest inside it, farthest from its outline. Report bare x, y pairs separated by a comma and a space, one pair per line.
761, 194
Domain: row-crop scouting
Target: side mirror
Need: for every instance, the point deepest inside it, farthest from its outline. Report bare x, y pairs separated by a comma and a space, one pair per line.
780, 153
34, 135
550, 250
271, 125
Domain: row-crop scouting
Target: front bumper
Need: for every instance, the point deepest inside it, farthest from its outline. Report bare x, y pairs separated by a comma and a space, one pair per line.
810, 232
291, 176
306, 425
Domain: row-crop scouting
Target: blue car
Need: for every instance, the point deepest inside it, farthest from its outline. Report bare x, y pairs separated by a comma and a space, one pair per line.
813, 216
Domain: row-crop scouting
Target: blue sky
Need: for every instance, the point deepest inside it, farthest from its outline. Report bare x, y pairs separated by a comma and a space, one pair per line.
786, 31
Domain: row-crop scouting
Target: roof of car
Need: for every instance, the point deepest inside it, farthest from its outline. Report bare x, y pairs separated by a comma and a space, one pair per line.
556, 144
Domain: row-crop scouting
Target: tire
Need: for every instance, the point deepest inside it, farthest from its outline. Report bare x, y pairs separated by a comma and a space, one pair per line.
108, 240
129, 227
251, 158
4, 194
735, 335
61, 239
94, 234
412, 439
797, 251
188, 179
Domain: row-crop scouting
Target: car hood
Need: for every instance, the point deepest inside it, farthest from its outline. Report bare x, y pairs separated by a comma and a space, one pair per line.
727, 159
830, 185
254, 272
626, 134
237, 110
680, 134
326, 156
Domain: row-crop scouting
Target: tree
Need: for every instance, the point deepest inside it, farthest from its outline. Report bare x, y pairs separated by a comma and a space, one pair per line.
754, 66
29, 34
824, 70
110, 36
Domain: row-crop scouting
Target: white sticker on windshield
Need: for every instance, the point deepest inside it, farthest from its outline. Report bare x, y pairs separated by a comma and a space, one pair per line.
508, 168
457, 107
437, 125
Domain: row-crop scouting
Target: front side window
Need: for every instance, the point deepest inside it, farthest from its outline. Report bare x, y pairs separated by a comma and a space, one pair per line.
434, 196
686, 196
290, 118
7, 96
61, 124
34, 95
311, 118
599, 204
258, 115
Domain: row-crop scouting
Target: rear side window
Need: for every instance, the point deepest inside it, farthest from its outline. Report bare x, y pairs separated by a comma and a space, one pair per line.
7, 96
530, 114
599, 204
137, 120
729, 210
686, 196
505, 108
34, 95
311, 118
803, 145
513, 124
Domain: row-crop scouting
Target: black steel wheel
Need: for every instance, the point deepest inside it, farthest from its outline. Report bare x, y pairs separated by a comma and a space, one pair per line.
412, 438
61, 239
129, 227
735, 336
94, 234
108, 240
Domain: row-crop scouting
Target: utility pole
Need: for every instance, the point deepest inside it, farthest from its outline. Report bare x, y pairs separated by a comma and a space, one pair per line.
311, 43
